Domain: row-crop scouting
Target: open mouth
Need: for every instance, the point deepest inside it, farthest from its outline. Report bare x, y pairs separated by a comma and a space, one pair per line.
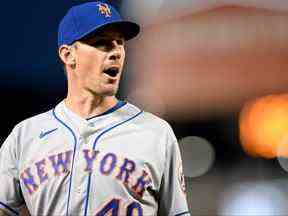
112, 72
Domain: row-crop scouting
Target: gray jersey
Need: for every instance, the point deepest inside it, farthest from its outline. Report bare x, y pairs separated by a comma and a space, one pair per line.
124, 162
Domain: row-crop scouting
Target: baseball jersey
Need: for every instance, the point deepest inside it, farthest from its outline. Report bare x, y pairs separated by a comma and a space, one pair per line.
123, 162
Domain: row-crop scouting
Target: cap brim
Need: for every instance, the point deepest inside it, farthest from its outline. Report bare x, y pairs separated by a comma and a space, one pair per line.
128, 29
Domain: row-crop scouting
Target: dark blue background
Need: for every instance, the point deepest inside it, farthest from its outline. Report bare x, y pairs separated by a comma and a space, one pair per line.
29, 43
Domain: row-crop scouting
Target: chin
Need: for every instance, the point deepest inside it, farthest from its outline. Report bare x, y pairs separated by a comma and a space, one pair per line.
108, 92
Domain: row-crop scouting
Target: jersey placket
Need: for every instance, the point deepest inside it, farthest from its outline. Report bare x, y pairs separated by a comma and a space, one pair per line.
80, 174
77, 186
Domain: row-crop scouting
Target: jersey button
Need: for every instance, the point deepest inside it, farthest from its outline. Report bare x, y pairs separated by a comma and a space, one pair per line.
79, 190
91, 124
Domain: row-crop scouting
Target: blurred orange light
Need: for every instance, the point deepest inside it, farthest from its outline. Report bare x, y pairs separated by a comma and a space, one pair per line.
264, 126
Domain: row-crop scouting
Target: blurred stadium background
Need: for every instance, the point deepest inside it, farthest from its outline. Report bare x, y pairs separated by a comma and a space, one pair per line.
195, 64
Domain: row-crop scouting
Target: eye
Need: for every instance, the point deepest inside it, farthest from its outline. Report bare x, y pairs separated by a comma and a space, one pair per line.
120, 41
103, 44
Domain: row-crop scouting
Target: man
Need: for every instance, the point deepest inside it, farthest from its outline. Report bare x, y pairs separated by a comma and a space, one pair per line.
92, 154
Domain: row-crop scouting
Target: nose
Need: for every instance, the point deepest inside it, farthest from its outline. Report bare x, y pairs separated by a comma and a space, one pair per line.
116, 52
115, 55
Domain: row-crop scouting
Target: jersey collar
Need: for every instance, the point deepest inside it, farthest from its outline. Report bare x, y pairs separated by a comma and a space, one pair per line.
121, 111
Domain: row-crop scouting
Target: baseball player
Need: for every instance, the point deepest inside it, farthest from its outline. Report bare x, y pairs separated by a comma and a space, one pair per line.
92, 154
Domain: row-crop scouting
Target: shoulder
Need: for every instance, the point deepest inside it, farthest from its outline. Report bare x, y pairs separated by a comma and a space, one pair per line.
25, 130
33, 123
153, 122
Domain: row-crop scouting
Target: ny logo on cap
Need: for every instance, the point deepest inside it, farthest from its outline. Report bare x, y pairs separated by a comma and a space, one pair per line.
104, 9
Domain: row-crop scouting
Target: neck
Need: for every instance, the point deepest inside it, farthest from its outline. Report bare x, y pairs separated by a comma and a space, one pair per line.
88, 105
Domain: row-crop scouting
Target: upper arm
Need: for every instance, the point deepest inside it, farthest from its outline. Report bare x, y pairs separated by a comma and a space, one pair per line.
172, 193
11, 199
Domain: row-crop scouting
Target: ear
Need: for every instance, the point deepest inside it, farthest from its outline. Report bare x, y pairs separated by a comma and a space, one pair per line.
67, 55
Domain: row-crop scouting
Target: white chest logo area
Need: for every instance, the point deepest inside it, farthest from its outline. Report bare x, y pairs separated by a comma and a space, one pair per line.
122, 169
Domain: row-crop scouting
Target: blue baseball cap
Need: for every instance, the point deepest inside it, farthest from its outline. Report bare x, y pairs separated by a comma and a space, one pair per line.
89, 18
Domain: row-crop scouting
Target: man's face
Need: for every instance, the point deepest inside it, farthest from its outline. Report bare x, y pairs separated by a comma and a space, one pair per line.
99, 63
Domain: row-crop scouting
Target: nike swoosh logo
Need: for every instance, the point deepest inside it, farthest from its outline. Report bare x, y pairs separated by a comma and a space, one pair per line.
43, 134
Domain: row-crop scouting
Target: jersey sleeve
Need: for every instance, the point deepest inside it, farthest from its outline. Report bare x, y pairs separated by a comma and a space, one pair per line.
11, 199
173, 200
